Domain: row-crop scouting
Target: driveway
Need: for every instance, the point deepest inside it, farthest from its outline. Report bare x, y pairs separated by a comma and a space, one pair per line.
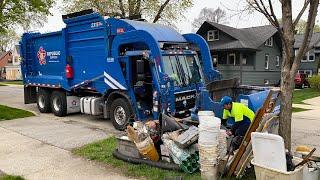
39, 147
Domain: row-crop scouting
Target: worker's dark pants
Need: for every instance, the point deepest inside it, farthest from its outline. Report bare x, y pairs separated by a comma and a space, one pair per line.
239, 130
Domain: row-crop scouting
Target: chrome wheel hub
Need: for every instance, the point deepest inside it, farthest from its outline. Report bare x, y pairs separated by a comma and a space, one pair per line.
120, 115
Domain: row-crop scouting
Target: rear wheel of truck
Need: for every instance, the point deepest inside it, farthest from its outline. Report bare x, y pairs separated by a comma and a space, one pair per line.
120, 113
59, 103
43, 100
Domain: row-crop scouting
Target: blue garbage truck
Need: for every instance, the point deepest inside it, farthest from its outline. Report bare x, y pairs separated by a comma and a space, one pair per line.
122, 69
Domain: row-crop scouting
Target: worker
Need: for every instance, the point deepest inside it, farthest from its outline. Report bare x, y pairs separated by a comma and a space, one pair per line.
242, 115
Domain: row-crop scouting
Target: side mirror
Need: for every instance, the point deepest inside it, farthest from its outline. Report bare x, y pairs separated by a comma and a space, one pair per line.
140, 70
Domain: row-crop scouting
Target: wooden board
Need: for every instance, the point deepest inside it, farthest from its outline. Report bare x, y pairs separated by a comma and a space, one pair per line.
247, 138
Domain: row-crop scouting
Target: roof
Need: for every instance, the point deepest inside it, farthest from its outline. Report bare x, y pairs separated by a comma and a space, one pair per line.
315, 40
4, 57
244, 38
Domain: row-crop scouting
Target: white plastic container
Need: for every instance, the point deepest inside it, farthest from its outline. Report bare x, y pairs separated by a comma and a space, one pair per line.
269, 151
265, 173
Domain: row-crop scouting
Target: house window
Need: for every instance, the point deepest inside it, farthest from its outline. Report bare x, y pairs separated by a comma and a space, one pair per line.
213, 35
307, 72
244, 60
308, 57
266, 61
215, 60
269, 42
278, 61
232, 59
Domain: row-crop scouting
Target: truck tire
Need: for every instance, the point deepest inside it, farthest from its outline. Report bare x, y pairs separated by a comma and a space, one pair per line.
58, 103
43, 100
120, 113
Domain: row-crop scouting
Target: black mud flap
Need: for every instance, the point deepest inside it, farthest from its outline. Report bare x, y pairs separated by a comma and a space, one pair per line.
30, 94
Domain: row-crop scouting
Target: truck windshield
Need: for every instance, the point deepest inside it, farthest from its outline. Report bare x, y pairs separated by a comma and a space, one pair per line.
183, 69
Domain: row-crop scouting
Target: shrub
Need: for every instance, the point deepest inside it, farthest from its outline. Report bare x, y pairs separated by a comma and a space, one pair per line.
314, 82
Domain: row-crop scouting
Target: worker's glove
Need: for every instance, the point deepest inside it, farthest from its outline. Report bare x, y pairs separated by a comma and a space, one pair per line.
229, 133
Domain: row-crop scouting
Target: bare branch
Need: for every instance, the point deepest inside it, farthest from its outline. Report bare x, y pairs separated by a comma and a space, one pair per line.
273, 14
305, 5
313, 10
157, 17
138, 7
123, 13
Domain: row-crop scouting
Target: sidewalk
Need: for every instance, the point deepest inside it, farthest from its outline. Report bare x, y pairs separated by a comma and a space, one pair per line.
34, 159
313, 103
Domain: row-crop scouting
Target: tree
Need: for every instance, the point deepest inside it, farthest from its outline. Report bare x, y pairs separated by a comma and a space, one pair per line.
166, 11
209, 14
22, 12
7, 40
300, 28
291, 61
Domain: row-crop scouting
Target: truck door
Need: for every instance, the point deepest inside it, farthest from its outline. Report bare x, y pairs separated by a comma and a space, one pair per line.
142, 83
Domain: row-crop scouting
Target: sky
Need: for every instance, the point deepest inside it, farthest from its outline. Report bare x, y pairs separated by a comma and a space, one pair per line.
232, 7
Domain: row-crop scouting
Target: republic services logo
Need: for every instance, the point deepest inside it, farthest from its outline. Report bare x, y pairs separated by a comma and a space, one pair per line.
42, 56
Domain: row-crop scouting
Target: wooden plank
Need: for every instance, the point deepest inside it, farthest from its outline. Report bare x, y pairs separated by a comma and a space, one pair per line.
247, 137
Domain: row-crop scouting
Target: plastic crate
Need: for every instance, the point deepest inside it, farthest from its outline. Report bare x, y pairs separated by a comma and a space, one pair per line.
264, 173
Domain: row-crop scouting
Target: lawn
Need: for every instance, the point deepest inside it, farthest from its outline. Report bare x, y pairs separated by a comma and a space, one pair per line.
303, 94
295, 109
10, 177
8, 113
11, 82
101, 151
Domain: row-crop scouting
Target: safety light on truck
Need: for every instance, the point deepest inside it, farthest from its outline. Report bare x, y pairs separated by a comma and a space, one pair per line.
69, 71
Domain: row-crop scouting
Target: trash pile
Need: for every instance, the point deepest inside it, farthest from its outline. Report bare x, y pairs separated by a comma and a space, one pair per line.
170, 144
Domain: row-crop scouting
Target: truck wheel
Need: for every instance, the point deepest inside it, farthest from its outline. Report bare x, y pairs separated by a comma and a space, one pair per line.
120, 113
43, 100
59, 103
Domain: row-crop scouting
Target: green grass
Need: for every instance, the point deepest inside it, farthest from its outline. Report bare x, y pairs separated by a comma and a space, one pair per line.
303, 94
295, 109
8, 113
101, 151
2, 84
12, 82
10, 177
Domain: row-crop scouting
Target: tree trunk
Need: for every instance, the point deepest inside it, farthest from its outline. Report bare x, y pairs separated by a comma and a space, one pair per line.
286, 108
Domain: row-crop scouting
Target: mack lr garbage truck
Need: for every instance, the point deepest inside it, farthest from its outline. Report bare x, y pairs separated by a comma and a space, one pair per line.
122, 69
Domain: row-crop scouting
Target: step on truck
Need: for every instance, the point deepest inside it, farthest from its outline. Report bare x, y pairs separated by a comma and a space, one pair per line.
125, 70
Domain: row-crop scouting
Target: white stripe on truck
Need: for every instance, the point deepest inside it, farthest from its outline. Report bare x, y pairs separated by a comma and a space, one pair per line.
110, 84
115, 82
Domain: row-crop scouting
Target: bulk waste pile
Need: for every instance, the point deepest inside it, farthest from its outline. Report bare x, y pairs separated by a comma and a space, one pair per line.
170, 144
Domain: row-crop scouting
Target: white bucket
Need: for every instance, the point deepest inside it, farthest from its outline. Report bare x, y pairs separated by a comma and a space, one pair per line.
208, 154
209, 172
207, 118
208, 135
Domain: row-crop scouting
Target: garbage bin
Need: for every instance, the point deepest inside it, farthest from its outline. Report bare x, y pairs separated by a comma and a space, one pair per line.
263, 173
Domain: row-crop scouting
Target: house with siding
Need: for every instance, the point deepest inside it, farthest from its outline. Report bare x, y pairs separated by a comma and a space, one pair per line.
310, 63
5, 59
13, 69
251, 54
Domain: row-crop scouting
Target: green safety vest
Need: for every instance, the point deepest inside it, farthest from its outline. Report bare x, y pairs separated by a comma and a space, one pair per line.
238, 111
